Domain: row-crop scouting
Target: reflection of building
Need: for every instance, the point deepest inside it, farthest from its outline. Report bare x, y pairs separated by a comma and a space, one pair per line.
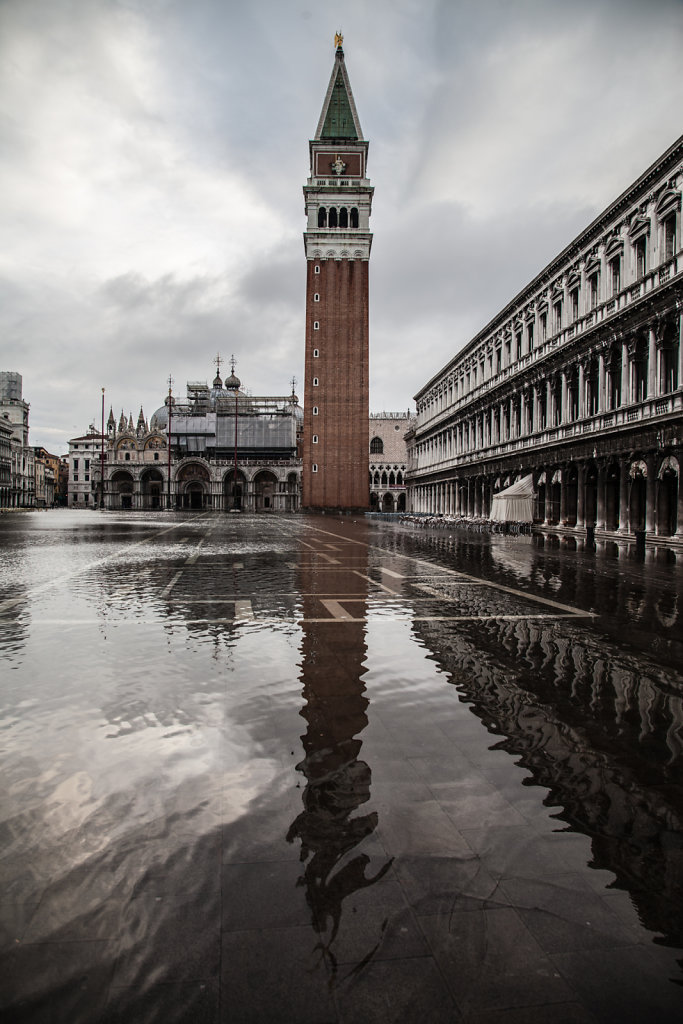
22, 468
214, 432
578, 380
333, 663
388, 460
337, 241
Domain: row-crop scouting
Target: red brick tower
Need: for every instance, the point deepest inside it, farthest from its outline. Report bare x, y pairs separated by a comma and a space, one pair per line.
337, 241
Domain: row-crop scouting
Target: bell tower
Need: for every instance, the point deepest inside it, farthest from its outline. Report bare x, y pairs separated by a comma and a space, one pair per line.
337, 242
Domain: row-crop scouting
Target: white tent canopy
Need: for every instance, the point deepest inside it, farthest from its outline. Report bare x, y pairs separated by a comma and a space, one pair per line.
516, 503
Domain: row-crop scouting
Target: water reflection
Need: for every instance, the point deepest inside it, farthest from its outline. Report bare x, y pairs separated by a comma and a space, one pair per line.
602, 732
333, 663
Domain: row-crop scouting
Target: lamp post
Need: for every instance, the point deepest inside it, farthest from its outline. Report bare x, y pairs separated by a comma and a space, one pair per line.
168, 436
102, 456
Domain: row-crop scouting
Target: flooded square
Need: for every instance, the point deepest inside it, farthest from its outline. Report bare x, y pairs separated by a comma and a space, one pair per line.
333, 769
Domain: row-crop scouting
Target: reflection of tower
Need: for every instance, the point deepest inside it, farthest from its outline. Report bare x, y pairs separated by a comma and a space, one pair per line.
337, 781
337, 241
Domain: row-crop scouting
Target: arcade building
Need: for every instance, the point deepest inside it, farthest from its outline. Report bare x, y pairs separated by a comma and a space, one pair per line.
577, 381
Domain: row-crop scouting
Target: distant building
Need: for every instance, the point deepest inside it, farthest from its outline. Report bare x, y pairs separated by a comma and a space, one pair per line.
47, 477
228, 450
577, 381
22, 468
6, 434
337, 241
84, 458
388, 460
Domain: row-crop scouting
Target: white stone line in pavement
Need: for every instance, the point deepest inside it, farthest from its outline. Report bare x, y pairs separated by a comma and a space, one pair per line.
390, 572
376, 620
462, 575
376, 583
167, 590
238, 565
244, 610
335, 609
92, 565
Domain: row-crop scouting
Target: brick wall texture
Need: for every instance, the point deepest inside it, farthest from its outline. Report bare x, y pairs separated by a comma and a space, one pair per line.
341, 395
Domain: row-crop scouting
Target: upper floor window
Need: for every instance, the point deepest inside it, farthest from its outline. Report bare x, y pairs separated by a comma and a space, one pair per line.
544, 326
641, 257
669, 229
557, 316
574, 298
354, 217
530, 336
75, 463
376, 446
615, 272
322, 218
518, 345
316, 269
594, 289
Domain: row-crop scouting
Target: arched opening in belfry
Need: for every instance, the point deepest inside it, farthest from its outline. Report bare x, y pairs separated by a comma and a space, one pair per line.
333, 217
343, 218
322, 217
354, 217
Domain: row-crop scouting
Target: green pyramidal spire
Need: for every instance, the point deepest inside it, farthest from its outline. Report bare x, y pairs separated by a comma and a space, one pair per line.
339, 120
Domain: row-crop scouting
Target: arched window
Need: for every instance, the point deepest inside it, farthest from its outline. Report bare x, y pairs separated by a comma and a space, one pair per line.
376, 446
354, 217
322, 217
392, 479
343, 218
384, 479
333, 217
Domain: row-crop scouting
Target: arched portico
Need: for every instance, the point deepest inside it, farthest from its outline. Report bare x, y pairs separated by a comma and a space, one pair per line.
193, 486
234, 490
265, 489
122, 487
151, 488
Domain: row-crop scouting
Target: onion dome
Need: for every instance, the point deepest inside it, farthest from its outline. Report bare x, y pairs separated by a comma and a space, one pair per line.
233, 383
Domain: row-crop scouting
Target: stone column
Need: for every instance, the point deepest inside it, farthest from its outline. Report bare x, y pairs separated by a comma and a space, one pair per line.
651, 363
679, 520
549, 405
602, 404
624, 491
625, 376
600, 512
563, 497
548, 511
651, 490
581, 495
565, 398
582, 391
680, 370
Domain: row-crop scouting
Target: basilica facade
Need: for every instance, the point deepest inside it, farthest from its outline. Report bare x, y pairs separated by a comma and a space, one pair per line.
577, 381
228, 450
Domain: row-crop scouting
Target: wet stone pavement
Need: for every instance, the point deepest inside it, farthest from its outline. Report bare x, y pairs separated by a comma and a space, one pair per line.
289, 769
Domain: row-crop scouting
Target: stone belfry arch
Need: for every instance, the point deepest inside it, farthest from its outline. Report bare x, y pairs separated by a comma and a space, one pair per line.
337, 242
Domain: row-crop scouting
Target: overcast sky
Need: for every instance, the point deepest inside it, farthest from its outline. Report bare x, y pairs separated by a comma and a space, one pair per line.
154, 152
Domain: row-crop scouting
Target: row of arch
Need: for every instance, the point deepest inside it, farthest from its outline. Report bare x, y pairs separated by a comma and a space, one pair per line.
638, 494
193, 488
333, 218
386, 479
387, 502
